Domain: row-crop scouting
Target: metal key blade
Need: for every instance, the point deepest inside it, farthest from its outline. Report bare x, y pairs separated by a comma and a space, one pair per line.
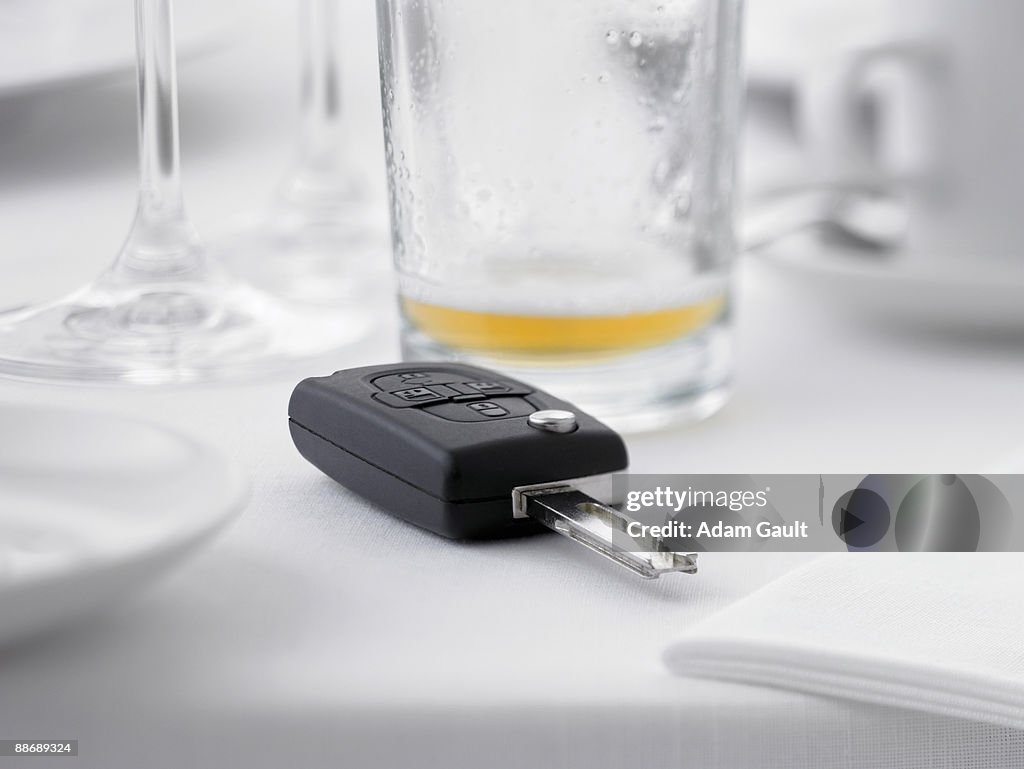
597, 526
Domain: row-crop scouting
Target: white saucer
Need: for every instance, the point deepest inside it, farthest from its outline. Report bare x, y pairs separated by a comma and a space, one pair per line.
93, 506
899, 288
786, 38
48, 43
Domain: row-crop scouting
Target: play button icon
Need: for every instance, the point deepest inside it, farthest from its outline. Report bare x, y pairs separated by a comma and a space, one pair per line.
861, 518
849, 522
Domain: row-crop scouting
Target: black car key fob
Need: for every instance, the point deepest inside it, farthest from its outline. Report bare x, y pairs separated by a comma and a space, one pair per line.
444, 446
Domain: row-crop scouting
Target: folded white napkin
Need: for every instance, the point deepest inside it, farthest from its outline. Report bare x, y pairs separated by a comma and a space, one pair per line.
942, 633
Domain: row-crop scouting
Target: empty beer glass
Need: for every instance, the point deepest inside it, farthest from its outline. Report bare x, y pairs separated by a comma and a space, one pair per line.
561, 176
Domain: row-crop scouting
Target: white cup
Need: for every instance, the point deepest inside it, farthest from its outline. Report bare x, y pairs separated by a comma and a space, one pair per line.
947, 97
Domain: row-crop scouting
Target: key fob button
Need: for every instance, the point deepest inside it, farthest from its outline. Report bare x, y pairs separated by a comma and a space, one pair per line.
489, 409
412, 379
553, 421
415, 396
490, 388
482, 411
494, 389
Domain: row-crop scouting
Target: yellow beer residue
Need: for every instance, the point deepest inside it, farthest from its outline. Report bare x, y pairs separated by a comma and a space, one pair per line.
551, 334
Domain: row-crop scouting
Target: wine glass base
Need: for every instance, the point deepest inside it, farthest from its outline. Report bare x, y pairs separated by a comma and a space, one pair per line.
320, 263
168, 334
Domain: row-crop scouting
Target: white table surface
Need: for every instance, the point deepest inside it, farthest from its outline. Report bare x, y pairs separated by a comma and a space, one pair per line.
318, 632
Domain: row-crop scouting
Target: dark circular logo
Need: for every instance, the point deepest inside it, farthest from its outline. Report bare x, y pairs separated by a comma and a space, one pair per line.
861, 518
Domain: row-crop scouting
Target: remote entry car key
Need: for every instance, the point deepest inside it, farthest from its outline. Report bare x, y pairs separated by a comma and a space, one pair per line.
469, 454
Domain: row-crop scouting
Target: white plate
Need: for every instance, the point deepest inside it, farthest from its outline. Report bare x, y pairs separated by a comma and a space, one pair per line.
898, 288
93, 506
47, 43
785, 38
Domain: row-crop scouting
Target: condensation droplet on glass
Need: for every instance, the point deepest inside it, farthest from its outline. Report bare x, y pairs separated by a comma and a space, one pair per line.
613, 37
660, 123
683, 205
604, 77
662, 171
635, 39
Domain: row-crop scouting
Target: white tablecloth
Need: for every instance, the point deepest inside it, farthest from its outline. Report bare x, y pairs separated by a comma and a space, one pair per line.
319, 632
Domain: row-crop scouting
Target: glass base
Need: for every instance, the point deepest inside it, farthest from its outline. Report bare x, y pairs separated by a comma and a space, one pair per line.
679, 383
165, 333
314, 262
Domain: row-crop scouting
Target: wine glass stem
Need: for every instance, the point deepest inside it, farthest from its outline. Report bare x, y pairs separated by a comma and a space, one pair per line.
322, 131
162, 242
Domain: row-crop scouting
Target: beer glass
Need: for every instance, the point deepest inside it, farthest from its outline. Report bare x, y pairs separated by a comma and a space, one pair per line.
561, 179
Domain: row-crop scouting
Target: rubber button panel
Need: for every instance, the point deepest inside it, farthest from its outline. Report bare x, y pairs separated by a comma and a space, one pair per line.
413, 389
